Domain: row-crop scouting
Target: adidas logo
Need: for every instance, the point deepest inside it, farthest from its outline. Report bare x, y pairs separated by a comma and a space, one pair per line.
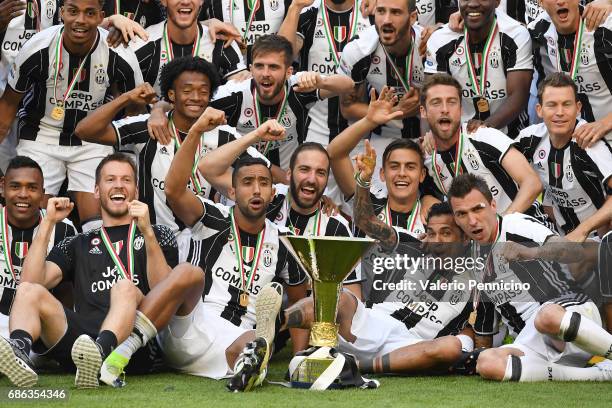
163, 150
248, 124
319, 34
376, 71
95, 251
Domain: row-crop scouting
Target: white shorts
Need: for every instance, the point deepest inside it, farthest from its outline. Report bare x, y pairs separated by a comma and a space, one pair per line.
196, 344
376, 334
78, 162
533, 343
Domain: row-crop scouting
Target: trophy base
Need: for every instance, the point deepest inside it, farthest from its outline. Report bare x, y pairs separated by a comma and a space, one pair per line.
309, 371
324, 368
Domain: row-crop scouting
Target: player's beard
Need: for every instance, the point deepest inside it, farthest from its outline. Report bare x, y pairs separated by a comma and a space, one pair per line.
400, 34
295, 194
445, 134
114, 213
275, 92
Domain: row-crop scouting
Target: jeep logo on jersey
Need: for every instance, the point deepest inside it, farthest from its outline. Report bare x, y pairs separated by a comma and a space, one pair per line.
569, 174
100, 76
494, 59
274, 5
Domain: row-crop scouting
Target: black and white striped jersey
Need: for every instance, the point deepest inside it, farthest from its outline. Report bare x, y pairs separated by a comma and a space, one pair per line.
482, 154
575, 179
155, 53
318, 55
145, 14
213, 249
20, 241
38, 15
154, 160
315, 224
364, 60
237, 100
417, 296
553, 53
267, 18
33, 74
547, 281
510, 51
432, 12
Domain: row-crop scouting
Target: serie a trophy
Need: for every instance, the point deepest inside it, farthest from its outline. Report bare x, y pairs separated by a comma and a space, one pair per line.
327, 261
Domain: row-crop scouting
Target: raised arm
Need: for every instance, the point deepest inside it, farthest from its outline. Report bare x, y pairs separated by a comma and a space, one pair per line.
215, 165
600, 220
363, 212
157, 267
9, 102
289, 27
182, 200
97, 127
36, 269
379, 112
529, 183
352, 105
328, 86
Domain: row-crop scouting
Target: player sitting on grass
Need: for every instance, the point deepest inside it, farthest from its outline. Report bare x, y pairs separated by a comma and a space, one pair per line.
558, 328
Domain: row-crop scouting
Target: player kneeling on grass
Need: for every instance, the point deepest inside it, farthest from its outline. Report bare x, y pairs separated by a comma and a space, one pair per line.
240, 252
111, 268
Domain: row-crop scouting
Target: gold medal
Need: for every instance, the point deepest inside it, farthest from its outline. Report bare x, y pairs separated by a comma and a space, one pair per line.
472, 318
483, 105
57, 113
244, 299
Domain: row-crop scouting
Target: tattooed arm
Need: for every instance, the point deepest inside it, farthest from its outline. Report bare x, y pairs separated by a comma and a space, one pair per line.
363, 212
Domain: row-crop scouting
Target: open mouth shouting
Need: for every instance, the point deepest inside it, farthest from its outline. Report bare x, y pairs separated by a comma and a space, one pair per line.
563, 14
445, 124
256, 203
118, 198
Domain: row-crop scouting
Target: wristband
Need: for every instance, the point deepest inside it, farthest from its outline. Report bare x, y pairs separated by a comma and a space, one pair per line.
361, 182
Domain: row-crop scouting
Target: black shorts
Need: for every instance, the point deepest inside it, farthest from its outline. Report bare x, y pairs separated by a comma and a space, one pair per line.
605, 266
147, 359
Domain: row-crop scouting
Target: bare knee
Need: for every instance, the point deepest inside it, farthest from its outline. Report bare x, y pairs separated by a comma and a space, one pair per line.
445, 349
548, 319
125, 290
35, 295
491, 364
187, 276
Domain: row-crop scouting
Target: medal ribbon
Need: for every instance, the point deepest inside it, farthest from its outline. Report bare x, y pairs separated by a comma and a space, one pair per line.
126, 273
328, 30
253, 6
476, 86
168, 43
316, 226
416, 209
577, 48
408, 71
278, 117
195, 173
58, 65
36, 10
458, 159
246, 280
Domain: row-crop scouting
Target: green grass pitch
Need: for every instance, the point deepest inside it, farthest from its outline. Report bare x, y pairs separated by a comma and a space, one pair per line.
178, 391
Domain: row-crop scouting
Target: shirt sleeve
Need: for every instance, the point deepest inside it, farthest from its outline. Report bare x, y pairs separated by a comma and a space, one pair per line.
353, 62
230, 103
213, 220
125, 72
287, 267
228, 60
62, 254
602, 158
522, 57
132, 130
